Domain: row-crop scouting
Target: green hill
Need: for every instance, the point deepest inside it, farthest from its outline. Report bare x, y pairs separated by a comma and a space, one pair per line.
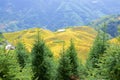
111, 22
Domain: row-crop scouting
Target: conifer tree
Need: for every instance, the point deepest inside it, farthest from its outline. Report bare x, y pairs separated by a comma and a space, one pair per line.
97, 51
71, 51
42, 61
8, 67
109, 66
64, 68
99, 46
26, 73
21, 54
68, 65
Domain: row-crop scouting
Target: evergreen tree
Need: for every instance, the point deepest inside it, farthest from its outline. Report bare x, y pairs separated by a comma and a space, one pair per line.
42, 61
68, 65
26, 73
99, 46
8, 67
73, 60
109, 65
64, 68
21, 54
98, 49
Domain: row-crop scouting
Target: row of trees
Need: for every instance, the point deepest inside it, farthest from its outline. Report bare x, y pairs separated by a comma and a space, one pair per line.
40, 65
103, 62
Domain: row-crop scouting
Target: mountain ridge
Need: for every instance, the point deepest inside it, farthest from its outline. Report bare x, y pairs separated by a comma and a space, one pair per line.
52, 14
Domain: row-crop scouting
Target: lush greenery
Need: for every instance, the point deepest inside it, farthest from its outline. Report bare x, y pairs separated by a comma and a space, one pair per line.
69, 67
103, 62
42, 62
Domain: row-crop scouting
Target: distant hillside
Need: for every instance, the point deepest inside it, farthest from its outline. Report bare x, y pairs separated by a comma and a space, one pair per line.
111, 22
53, 14
83, 38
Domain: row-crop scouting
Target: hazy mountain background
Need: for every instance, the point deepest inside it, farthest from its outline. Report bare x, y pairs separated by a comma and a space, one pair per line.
53, 14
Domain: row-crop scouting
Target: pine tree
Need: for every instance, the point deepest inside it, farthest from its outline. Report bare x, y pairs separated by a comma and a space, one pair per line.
98, 49
68, 65
71, 51
8, 67
64, 67
99, 46
26, 73
21, 54
109, 66
42, 61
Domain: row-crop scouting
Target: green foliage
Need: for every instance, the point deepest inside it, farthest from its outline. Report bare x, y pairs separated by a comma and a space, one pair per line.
104, 62
64, 68
1, 39
8, 67
42, 61
97, 50
109, 65
21, 54
73, 60
69, 68
26, 73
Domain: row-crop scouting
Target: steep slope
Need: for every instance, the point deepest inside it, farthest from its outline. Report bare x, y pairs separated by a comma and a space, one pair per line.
83, 38
52, 14
111, 22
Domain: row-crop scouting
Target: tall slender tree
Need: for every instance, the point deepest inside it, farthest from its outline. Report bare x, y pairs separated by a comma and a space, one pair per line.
71, 51
98, 49
68, 65
21, 54
99, 46
42, 61
64, 68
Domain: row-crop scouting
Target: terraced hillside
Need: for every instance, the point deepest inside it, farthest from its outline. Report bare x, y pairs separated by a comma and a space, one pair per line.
83, 38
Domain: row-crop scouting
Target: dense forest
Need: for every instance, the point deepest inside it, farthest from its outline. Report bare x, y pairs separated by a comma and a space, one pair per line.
103, 61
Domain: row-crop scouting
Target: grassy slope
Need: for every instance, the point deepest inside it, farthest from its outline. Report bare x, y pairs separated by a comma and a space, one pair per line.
83, 38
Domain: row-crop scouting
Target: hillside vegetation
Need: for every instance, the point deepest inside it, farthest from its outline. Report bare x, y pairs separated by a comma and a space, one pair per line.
83, 38
2, 40
53, 14
103, 62
112, 23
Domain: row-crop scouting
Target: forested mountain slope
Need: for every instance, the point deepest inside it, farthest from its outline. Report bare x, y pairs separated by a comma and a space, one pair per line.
53, 14
112, 24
